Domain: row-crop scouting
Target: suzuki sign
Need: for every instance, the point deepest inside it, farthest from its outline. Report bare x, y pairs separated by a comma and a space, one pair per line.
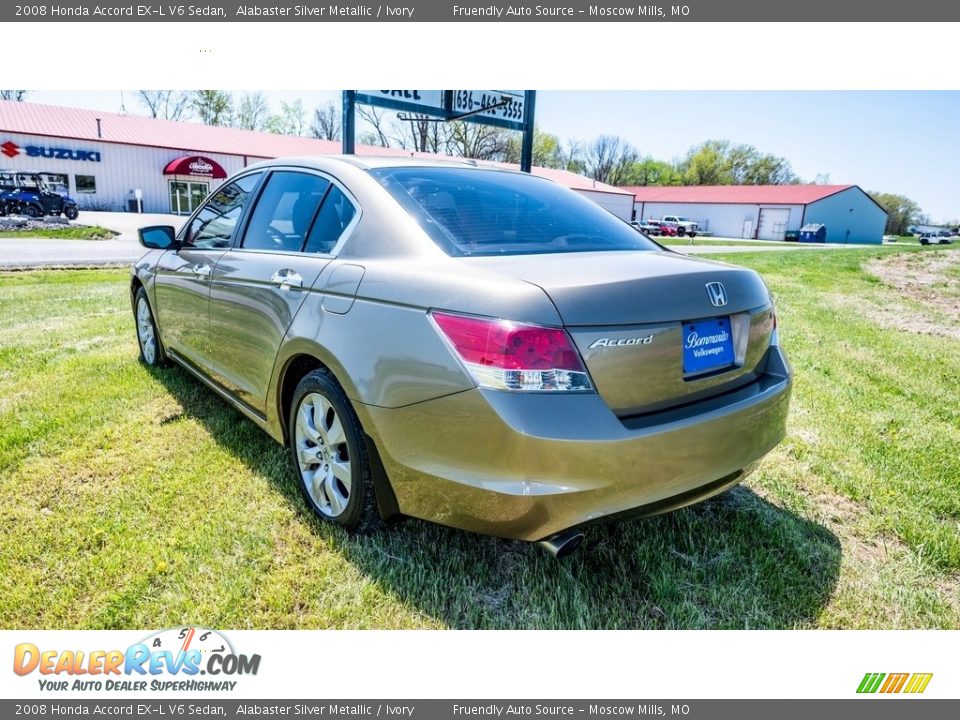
11, 150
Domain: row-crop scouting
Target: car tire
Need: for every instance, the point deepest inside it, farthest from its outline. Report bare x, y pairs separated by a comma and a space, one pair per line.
329, 455
924, 241
72, 213
148, 339
31, 212
680, 232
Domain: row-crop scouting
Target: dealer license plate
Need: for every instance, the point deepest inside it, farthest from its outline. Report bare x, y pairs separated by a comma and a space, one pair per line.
707, 345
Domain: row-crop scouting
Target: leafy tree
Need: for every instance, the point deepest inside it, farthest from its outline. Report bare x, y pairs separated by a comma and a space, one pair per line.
720, 162
706, 164
166, 104
213, 107
547, 150
326, 123
901, 211
253, 112
292, 119
653, 172
15, 95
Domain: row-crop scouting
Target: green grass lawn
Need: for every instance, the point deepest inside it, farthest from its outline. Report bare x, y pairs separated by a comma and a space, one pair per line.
71, 232
137, 499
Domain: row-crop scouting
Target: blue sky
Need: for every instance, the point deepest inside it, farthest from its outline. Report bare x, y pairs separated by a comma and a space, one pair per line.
891, 141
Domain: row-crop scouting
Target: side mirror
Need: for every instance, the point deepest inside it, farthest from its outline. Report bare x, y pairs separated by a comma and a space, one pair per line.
158, 237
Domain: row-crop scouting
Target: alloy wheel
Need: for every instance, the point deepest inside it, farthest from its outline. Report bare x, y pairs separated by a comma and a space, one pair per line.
145, 333
322, 455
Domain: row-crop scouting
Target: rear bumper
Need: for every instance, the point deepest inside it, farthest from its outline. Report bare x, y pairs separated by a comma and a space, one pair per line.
526, 466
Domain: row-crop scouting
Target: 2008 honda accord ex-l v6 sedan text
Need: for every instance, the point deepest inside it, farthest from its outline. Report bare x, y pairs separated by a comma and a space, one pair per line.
477, 347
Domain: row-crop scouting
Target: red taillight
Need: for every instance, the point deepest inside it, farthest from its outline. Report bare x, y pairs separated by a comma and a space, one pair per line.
512, 356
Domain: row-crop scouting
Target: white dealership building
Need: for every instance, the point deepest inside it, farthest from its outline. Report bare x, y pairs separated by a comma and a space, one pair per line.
108, 160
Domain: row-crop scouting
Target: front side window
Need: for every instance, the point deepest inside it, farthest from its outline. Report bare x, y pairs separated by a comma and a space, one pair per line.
285, 211
482, 212
86, 183
213, 226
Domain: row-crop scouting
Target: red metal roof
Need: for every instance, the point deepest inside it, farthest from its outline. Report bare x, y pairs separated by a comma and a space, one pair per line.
745, 194
195, 138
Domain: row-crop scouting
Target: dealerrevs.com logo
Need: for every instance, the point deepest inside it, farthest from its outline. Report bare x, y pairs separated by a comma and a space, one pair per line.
180, 659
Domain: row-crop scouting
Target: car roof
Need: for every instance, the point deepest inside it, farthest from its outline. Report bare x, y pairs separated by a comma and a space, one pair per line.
373, 162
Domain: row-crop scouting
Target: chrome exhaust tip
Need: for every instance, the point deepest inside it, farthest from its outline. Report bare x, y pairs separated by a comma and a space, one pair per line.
563, 543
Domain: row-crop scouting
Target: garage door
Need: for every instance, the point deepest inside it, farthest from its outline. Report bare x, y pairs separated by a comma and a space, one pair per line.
773, 223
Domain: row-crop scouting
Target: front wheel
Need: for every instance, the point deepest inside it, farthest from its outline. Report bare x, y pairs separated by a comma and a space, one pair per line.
71, 212
151, 351
326, 442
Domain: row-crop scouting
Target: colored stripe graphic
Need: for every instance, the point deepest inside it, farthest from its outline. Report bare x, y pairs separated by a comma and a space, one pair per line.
894, 683
870, 682
918, 683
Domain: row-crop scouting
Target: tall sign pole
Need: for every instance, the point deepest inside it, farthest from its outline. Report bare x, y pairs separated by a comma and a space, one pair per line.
526, 150
349, 131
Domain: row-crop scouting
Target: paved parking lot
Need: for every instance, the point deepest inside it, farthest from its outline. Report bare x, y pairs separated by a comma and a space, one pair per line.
121, 250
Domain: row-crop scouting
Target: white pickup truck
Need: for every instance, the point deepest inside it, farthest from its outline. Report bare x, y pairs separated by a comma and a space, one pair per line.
684, 226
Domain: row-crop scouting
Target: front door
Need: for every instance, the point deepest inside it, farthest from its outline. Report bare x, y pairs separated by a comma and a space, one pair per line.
182, 286
258, 287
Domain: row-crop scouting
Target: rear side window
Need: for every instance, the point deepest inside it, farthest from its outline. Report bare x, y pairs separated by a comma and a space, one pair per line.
336, 214
213, 226
481, 212
285, 211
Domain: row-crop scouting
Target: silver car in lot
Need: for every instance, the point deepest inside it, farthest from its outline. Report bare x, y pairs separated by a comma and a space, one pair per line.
472, 346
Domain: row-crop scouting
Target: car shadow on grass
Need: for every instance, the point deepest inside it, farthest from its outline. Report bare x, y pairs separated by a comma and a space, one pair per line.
735, 561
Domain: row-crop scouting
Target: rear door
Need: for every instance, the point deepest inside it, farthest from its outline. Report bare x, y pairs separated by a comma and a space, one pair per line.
182, 288
260, 283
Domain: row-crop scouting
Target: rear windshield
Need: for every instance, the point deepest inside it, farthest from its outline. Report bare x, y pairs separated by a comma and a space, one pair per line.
480, 212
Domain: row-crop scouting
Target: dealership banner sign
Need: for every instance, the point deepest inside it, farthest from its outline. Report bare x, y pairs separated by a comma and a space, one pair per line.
11, 150
480, 11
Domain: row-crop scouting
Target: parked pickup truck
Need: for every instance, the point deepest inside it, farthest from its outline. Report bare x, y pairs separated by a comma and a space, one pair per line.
684, 226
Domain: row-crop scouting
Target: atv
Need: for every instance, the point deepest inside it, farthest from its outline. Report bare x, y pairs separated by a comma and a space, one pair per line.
26, 193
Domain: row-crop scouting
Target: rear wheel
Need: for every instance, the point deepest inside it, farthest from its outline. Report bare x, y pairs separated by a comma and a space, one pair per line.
680, 231
326, 443
32, 211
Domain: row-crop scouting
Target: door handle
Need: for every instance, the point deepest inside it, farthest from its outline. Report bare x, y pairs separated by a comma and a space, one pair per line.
287, 278
201, 270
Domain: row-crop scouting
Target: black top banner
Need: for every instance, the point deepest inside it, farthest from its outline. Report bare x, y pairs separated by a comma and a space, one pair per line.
479, 11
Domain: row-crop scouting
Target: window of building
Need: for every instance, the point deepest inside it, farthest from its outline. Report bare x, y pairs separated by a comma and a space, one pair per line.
86, 183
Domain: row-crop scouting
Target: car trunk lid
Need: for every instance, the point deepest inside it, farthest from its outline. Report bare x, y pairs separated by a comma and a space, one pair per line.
632, 314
